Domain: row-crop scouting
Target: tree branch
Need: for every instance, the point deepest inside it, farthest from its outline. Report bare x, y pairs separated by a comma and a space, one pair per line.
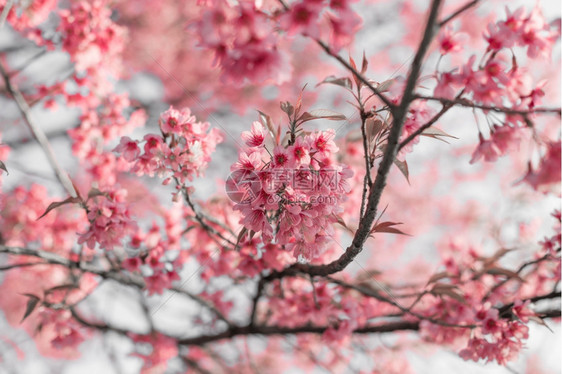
499, 109
278, 330
128, 280
458, 12
357, 74
37, 133
427, 125
399, 114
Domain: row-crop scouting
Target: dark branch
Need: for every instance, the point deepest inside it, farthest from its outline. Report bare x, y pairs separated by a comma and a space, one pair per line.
458, 12
499, 109
277, 330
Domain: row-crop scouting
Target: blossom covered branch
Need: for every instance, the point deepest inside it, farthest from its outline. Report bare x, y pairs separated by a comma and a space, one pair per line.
325, 229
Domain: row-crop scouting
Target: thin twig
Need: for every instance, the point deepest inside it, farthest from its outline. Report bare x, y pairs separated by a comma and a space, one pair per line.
499, 109
458, 12
37, 133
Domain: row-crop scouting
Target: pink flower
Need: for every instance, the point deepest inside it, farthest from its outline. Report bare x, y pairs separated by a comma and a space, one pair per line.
487, 149
446, 85
521, 310
302, 18
299, 152
506, 138
256, 136
548, 175
128, 148
163, 348
170, 121
323, 142
110, 221
132, 264
281, 158
344, 25
450, 42
153, 144
246, 161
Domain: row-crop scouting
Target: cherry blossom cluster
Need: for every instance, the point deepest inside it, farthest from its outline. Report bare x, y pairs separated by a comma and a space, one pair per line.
301, 188
498, 79
288, 190
244, 42
66, 332
465, 303
251, 257
529, 31
547, 175
22, 207
503, 139
26, 15
181, 152
110, 220
150, 251
418, 114
306, 18
498, 339
245, 37
90, 36
163, 349
98, 128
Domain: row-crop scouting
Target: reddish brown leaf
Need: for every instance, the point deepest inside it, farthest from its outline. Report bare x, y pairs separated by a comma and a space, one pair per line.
385, 86
403, 166
287, 108
94, 192
367, 275
241, 235
450, 290
387, 228
267, 122
342, 82
434, 131
438, 276
70, 200
341, 222
501, 271
373, 128
31, 305
321, 114
3, 167
364, 64
298, 105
